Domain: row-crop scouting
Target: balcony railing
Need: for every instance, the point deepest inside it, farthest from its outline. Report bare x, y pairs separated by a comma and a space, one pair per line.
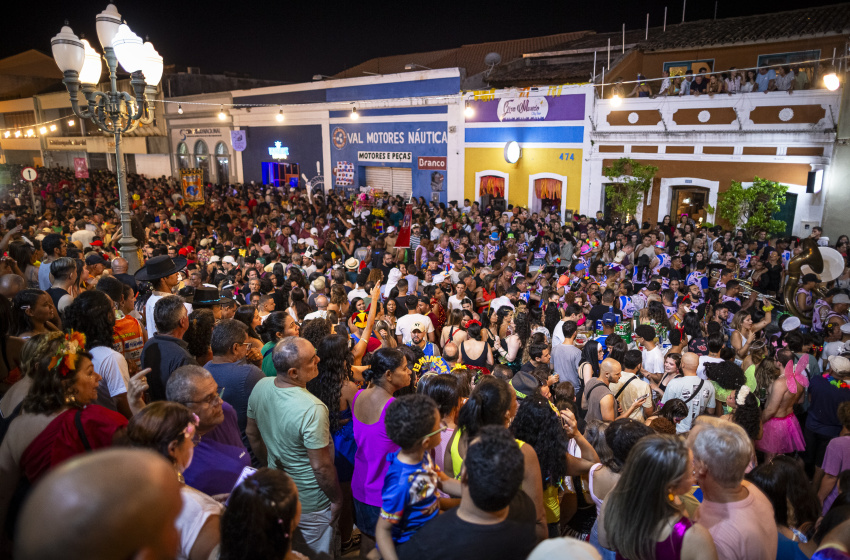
800, 111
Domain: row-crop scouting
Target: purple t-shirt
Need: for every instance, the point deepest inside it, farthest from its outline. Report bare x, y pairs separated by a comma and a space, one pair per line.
837, 459
219, 457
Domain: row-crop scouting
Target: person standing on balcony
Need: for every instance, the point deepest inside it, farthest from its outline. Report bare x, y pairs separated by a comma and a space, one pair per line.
766, 79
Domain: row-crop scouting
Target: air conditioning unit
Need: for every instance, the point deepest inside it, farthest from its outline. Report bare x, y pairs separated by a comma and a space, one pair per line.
806, 228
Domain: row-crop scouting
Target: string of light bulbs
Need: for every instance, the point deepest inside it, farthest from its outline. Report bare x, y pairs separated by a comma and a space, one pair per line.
831, 80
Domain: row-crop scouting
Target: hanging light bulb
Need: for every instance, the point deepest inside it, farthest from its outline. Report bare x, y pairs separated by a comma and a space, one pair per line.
469, 111
831, 81
30, 132
17, 134
354, 115
221, 114
42, 130
52, 128
71, 122
280, 116
7, 134
616, 101
179, 109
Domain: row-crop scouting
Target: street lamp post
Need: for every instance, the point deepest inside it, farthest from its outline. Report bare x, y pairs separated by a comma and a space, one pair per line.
114, 112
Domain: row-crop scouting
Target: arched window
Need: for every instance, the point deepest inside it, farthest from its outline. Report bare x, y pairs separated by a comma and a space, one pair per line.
183, 160
202, 158
222, 161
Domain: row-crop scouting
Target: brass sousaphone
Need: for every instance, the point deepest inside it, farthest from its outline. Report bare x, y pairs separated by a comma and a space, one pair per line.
809, 255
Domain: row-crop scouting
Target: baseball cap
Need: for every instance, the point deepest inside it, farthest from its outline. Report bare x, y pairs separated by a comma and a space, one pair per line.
390, 229
659, 244
845, 328
230, 260
609, 319
839, 364
215, 259
439, 221
841, 298
95, 258
314, 231
620, 256
417, 326
440, 278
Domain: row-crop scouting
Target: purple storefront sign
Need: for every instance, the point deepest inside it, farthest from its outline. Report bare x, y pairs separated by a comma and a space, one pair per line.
532, 108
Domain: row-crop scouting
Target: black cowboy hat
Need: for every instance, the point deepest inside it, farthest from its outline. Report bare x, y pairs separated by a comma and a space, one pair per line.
206, 296
160, 267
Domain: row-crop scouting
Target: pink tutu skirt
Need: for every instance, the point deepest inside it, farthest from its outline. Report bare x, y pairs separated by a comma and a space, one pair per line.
781, 435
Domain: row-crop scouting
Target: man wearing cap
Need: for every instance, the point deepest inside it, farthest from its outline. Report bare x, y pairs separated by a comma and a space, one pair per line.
417, 338
609, 322
405, 324
838, 313
833, 340
161, 272
96, 265
207, 297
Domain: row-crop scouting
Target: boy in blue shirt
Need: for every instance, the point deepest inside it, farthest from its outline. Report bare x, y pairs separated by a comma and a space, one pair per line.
410, 486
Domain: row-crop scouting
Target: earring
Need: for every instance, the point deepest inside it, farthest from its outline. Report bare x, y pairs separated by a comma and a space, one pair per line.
70, 398
671, 497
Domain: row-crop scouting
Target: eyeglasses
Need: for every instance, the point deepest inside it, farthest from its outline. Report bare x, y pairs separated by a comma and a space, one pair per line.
210, 399
442, 429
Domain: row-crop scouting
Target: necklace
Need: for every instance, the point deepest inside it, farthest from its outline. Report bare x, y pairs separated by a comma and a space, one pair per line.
841, 384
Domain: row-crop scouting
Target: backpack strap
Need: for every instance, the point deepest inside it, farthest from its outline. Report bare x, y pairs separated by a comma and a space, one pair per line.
626, 384
81, 431
696, 392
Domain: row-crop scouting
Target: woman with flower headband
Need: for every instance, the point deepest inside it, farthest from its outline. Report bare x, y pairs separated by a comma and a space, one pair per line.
170, 429
261, 518
475, 346
59, 419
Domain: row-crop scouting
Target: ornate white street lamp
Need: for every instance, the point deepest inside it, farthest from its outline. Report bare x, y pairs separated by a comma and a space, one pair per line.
115, 112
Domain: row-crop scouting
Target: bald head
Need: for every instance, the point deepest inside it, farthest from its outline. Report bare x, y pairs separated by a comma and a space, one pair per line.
111, 505
119, 265
450, 352
11, 284
322, 302
608, 367
690, 363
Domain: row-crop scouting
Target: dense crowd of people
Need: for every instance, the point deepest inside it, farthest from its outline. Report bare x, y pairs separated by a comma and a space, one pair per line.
295, 374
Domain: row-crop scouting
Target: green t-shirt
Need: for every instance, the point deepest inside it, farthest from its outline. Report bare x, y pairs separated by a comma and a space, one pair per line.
268, 364
723, 394
292, 421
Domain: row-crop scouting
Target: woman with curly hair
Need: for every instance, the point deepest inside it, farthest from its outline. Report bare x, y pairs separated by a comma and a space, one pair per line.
509, 349
261, 518
201, 323
92, 314
279, 324
335, 387
674, 410
59, 418
726, 378
538, 425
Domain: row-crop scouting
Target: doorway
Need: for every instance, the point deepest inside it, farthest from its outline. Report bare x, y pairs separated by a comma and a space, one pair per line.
546, 194
786, 213
688, 202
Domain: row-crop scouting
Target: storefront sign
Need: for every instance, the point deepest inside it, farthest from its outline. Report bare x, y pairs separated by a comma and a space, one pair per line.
428, 163
398, 157
66, 144
278, 151
523, 109
81, 168
569, 107
198, 133
237, 140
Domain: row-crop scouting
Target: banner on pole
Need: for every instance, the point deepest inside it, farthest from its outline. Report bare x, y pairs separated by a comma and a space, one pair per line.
192, 181
81, 169
238, 140
404, 228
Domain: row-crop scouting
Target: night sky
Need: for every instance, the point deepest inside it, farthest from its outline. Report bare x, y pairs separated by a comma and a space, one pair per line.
292, 41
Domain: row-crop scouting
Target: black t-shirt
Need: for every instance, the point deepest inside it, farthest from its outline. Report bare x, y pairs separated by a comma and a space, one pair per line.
597, 311
448, 536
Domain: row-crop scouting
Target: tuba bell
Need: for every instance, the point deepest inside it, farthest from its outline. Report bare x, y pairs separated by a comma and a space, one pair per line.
810, 255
